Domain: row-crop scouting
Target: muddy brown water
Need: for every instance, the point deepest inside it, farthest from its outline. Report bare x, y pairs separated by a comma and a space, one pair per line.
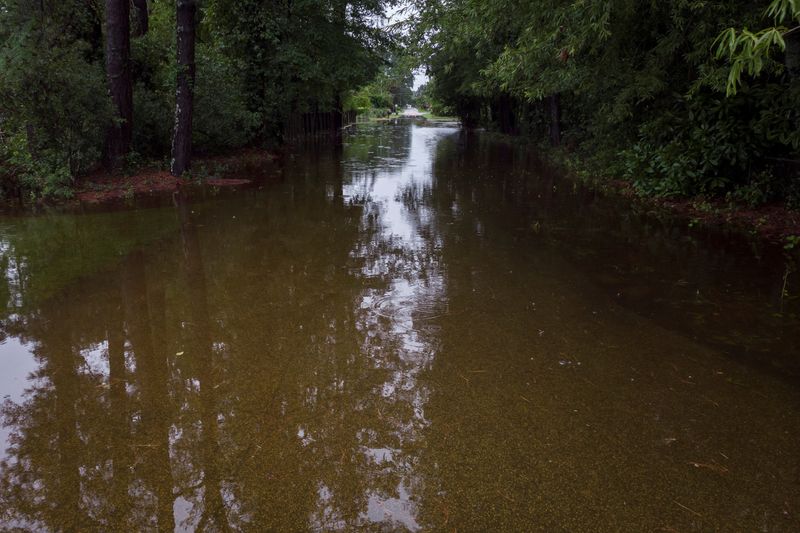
423, 329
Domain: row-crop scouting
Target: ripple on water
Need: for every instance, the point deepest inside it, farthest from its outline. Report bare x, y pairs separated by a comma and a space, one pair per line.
403, 308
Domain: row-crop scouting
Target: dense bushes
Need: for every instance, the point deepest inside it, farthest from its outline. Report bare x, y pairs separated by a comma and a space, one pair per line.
222, 119
53, 116
651, 101
389, 91
709, 144
257, 62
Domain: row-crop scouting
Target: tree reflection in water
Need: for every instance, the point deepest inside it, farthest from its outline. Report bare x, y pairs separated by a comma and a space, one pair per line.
407, 332
235, 374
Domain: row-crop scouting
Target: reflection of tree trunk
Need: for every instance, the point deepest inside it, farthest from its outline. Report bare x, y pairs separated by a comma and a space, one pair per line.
152, 375
65, 389
214, 513
118, 419
338, 174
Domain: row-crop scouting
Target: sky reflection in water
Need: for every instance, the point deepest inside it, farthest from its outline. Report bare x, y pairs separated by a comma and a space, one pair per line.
423, 329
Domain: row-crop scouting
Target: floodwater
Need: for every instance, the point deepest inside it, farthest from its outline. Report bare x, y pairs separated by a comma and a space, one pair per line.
423, 329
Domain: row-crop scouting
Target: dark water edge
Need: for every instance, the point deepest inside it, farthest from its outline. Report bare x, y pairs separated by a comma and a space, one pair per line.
422, 329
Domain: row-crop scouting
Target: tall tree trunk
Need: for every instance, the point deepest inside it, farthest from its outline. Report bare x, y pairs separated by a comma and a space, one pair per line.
184, 100
340, 18
554, 110
142, 18
338, 116
503, 114
120, 83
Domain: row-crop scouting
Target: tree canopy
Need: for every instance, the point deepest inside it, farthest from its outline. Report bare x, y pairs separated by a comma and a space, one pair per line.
677, 95
257, 62
681, 97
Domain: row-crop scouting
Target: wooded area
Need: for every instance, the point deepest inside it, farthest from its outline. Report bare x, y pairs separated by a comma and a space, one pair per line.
680, 98
260, 273
83, 83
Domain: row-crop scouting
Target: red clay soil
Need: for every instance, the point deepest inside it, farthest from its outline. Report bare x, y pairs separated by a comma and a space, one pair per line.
773, 222
103, 187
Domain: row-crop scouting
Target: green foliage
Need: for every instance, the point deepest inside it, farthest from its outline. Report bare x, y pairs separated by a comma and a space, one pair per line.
647, 98
750, 53
698, 147
298, 57
55, 109
257, 62
391, 89
154, 86
222, 119
46, 175
153, 110
762, 188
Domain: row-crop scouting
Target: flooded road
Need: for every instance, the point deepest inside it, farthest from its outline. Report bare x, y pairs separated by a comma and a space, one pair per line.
421, 330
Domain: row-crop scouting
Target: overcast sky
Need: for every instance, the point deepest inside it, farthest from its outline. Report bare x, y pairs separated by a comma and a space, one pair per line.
420, 78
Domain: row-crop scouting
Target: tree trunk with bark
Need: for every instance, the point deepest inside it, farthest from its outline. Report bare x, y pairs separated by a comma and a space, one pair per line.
340, 17
503, 114
184, 99
120, 82
142, 18
338, 116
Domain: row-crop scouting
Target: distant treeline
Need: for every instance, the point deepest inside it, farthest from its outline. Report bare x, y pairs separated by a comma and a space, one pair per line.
682, 97
85, 82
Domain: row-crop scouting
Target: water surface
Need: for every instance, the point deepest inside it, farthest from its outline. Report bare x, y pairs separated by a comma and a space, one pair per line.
422, 329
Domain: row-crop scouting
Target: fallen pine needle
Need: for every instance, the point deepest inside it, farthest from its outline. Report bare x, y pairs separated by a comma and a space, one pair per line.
506, 496
715, 467
679, 504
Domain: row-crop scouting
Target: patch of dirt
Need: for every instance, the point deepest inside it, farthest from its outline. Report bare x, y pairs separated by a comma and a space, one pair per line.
103, 187
772, 222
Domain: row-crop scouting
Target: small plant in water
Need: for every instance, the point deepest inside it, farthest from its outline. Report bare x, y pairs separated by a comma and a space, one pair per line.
132, 163
203, 172
792, 242
703, 206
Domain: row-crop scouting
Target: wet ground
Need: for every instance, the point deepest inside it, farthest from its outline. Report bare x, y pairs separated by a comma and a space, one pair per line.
423, 329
